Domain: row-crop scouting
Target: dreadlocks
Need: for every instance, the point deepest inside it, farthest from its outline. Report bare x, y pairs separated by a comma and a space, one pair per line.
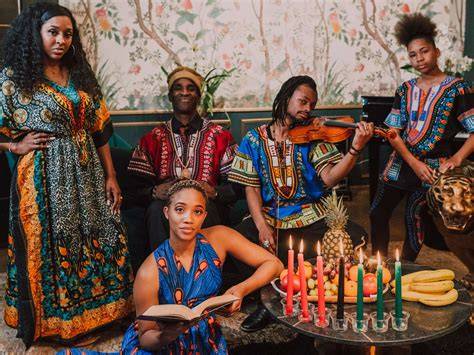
280, 105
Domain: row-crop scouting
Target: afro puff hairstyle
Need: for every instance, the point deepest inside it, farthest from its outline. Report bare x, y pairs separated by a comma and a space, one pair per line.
23, 50
415, 26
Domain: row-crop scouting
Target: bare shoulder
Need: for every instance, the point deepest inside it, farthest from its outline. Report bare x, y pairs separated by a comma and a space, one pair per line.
147, 273
218, 233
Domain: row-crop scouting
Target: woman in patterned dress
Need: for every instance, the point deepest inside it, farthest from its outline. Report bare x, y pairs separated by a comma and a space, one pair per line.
428, 112
187, 269
68, 268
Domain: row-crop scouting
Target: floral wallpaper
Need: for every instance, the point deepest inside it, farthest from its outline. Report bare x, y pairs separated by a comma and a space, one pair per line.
347, 46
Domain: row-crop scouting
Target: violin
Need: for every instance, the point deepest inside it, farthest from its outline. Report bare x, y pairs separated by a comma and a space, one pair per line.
331, 130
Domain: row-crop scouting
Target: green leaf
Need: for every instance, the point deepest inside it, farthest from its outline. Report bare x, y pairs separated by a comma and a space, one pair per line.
216, 12
186, 17
210, 2
181, 35
117, 38
201, 34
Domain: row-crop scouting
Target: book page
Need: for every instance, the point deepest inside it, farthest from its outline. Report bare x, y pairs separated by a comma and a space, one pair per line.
168, 311
213, 303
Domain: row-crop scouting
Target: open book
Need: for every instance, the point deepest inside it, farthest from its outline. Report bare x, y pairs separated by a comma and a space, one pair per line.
179, 312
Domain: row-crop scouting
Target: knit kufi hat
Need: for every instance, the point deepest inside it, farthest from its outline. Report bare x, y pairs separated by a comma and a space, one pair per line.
186, 73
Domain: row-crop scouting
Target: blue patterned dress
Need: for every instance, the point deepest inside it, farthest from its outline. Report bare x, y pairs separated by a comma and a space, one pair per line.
177, 286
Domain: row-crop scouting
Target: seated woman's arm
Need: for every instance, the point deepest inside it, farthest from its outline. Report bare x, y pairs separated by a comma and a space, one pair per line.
152, 335
228, 241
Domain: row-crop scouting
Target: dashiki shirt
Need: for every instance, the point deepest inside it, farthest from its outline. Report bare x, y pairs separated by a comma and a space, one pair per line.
289, 179
178, 286
68, 270
429, 121
162, 155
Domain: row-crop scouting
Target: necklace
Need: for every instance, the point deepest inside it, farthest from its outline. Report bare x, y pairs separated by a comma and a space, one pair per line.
182, 171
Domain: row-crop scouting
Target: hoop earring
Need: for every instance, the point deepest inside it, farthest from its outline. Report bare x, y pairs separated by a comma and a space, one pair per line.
73, 50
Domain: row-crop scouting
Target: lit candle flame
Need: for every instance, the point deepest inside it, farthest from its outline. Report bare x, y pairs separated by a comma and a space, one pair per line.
318, 248
301, 246
397, 255
379, 262
341, 248
361, 256
291, 242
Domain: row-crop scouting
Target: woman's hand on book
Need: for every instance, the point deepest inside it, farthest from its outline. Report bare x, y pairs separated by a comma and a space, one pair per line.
423, 171
235, 306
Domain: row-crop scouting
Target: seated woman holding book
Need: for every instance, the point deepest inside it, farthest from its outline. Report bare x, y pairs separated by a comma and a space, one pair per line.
187, 269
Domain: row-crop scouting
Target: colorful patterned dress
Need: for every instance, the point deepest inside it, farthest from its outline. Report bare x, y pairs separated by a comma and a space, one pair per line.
68, 270
429, 121
290, 180
177, 286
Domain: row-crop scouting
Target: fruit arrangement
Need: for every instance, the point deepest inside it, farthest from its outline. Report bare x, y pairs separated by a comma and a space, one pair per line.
331, 282
430, 287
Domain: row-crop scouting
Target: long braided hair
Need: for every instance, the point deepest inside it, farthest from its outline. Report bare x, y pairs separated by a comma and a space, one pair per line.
280, 104
23, 50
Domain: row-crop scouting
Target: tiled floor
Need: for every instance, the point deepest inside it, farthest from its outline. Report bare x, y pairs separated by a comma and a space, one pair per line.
110, 338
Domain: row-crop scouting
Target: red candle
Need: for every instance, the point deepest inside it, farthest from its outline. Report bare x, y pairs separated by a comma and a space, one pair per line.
303, 293
289, 290
321, 299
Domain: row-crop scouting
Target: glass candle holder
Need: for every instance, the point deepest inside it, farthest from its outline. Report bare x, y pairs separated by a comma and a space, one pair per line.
325, 323
360, 326
400, 324
380, 326
338, 324
310, 314
296, 307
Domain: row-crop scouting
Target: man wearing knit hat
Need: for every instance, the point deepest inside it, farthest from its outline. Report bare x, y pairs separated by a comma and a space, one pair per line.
185, 147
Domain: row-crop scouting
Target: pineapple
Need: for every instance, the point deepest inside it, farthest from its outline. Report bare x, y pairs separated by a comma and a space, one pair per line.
336, 220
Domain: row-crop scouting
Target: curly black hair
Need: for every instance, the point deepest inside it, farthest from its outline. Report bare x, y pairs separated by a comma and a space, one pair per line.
23, 50
415, 26
280, 104
185, 184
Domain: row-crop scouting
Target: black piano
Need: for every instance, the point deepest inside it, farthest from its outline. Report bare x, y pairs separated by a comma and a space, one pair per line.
375, 109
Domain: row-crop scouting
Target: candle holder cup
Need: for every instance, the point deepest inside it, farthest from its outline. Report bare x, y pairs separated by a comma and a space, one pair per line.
310, 314
339, 324
380, 326
296, 307
400, 324
360, 326
321, 323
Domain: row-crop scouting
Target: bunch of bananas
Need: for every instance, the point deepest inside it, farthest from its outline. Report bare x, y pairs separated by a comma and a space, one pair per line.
430, 287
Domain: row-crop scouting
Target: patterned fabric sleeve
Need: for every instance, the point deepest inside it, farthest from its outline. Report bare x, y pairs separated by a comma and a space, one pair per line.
323, 155
10, 119
225, 163
464, 107
141, 163
243, 171
102, 128
396, 118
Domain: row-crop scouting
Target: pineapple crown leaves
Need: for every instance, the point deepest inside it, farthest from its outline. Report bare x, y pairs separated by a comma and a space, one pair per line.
336, 212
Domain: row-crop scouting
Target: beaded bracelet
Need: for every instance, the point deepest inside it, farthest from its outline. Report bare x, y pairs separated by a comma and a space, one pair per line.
354, 154
10, 146
356, 150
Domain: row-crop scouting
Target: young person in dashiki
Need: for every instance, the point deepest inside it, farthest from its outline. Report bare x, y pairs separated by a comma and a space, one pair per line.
284, 182
428, 112
186, 146
68, 271
187, 269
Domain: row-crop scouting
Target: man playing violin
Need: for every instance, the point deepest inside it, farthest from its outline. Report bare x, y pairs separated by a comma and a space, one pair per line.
284, 182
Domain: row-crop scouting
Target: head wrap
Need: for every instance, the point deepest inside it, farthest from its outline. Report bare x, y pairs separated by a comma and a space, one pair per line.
186, 73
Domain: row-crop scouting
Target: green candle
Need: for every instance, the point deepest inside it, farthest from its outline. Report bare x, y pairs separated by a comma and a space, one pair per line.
398, 286
379, 289
360, 291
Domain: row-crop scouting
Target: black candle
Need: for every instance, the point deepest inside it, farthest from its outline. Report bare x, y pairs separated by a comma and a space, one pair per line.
340, 289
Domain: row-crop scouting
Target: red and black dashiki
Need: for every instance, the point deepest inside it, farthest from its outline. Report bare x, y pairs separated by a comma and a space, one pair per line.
210, 150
